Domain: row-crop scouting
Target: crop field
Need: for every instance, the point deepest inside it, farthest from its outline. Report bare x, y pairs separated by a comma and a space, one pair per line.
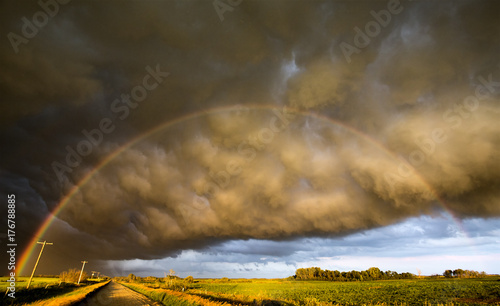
480, 291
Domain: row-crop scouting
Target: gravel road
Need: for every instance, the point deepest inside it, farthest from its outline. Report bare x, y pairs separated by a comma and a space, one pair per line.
116, 294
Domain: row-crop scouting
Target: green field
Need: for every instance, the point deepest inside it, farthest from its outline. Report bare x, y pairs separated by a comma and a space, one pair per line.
390, 292
22, 282
427, 291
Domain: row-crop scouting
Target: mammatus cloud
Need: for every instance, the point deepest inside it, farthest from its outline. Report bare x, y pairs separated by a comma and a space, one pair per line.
273, 134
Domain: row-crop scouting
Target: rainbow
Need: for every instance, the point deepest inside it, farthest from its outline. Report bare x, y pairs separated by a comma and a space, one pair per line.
32, 244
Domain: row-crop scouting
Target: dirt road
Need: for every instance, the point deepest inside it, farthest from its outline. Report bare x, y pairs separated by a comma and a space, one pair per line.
115, 294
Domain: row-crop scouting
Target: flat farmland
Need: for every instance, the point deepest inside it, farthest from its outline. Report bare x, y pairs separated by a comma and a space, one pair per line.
22, 282
481, 291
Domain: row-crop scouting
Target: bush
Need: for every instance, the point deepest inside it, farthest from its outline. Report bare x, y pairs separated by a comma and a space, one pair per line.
72, 275
175, 284
189, 279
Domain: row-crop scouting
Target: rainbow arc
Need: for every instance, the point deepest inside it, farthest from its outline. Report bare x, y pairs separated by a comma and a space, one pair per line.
26, 255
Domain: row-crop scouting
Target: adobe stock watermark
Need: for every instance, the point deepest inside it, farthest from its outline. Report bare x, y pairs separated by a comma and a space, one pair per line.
454, 118
221, 7
372, 29
247, 151
121, 107
40, 19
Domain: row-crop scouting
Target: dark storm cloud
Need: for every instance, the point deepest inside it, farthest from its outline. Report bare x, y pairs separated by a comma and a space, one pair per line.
426, 88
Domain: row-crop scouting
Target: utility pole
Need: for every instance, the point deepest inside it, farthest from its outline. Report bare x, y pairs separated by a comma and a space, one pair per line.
81, 272
36, 264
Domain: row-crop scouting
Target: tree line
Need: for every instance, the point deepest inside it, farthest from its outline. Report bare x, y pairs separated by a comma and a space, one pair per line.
459, 273
372, 273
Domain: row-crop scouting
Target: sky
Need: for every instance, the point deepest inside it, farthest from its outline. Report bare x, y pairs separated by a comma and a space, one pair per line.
247, 139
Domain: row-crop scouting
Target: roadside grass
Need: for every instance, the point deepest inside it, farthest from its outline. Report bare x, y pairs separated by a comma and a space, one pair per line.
54, 294
171, 297
70, 298
22, 282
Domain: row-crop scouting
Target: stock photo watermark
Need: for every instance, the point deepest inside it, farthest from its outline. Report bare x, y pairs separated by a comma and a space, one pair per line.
372, 29
121, 107
31, 27
247, 150
454, 118
221, 7
11, 246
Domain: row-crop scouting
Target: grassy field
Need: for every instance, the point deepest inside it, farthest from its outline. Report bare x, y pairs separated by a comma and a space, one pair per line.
22, 282
46, 291
480, 291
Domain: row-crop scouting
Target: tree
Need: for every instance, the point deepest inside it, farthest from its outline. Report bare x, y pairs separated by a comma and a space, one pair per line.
458, 272
392, 274
150, 279
72, 275
374, 272
301, 273
355, 275
448, 273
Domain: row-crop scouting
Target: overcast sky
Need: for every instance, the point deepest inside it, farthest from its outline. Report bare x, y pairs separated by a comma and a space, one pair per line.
251, 138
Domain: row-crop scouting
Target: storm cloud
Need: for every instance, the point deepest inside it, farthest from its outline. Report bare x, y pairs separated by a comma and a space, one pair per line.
259, 126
